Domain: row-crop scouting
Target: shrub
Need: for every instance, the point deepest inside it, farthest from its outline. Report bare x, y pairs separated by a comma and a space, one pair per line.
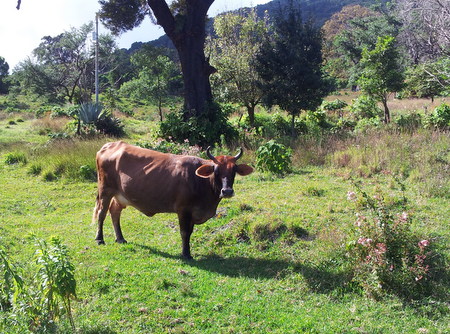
365, 107
366, 124
88, 173
13, 158
35, 169
49, 176
202, 130
440, 118
409, 122
274, 158
386, 255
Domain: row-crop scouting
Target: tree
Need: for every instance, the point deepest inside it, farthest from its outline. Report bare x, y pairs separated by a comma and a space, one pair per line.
290, 65
233, 52
336, 62
429, 79
157, 77
184, 23
360, 33
62, 67
4, 72
426, 28
381, 72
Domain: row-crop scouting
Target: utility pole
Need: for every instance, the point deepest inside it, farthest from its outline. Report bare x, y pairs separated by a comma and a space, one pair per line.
96, 58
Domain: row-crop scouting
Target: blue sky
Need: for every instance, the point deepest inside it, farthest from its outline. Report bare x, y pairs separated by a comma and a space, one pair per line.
21, 30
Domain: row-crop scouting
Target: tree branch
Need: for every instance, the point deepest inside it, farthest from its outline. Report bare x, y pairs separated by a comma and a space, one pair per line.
163, 16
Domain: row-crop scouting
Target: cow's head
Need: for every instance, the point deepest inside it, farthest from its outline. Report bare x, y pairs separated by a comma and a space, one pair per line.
224, 170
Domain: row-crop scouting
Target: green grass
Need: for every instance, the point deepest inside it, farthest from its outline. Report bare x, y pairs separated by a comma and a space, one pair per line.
270, 262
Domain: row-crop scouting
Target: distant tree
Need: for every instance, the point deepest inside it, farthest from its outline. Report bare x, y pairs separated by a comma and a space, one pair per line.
157, 80
4, 72
426, 28
335, 60
184, 23
62, 66
429, 79
362, 33
381, 72
233, 52
290, 65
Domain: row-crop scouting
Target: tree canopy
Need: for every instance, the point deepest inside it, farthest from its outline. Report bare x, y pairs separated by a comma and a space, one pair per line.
233, 52
290, 64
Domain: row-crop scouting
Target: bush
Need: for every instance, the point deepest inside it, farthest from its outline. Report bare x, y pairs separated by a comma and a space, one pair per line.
366, 124
13, 158
365, 107
386, 256
440, 118
274, 158
202, 130
35, 169
409, 122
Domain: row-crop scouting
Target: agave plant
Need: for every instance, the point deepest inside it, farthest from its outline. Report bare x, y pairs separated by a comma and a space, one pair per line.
90, 112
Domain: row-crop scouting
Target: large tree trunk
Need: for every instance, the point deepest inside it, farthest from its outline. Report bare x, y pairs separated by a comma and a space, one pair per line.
187, 32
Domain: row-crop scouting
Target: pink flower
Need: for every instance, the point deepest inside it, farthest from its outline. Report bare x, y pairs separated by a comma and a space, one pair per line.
364, 241
351, 196
424, 243
381, 248
403, 217
359, 220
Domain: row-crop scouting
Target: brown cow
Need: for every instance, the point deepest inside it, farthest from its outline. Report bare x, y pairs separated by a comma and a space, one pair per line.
155, 182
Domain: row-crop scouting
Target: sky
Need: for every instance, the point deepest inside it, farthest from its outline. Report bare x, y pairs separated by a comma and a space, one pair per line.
21, 30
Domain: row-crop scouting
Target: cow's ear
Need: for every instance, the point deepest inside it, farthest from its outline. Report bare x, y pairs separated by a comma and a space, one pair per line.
244, 169
205, 171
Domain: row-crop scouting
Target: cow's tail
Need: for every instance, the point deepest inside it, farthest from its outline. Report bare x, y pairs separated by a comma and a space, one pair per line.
96, 209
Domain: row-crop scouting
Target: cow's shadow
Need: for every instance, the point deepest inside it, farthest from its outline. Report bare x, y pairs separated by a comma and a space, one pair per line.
320, 278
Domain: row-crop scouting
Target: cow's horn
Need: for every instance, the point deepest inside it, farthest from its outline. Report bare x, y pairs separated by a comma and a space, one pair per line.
237, 156
208, 153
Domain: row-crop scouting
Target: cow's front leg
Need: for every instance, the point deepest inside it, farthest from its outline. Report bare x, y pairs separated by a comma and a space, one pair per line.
186, 228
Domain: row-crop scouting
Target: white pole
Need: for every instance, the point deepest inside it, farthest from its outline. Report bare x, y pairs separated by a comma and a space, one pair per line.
96, 58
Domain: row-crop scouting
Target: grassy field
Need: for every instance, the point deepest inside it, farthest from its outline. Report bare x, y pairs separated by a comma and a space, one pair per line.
272, 261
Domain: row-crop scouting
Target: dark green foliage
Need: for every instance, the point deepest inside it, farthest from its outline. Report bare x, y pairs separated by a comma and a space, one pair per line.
122, 15
4, 72
290, 65
202, 130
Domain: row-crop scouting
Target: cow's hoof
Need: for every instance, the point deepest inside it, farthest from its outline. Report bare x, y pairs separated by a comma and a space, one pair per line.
100, 242
121, 241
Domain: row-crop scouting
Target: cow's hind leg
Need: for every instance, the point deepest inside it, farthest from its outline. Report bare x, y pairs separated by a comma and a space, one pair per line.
186, 228
100, 212
115, 209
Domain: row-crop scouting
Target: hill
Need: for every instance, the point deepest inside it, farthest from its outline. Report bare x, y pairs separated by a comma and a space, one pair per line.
318, 10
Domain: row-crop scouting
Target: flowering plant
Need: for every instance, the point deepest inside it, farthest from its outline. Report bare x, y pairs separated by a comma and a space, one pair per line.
385, 254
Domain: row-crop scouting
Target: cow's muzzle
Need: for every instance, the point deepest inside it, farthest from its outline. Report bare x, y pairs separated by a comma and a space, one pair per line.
226, 193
